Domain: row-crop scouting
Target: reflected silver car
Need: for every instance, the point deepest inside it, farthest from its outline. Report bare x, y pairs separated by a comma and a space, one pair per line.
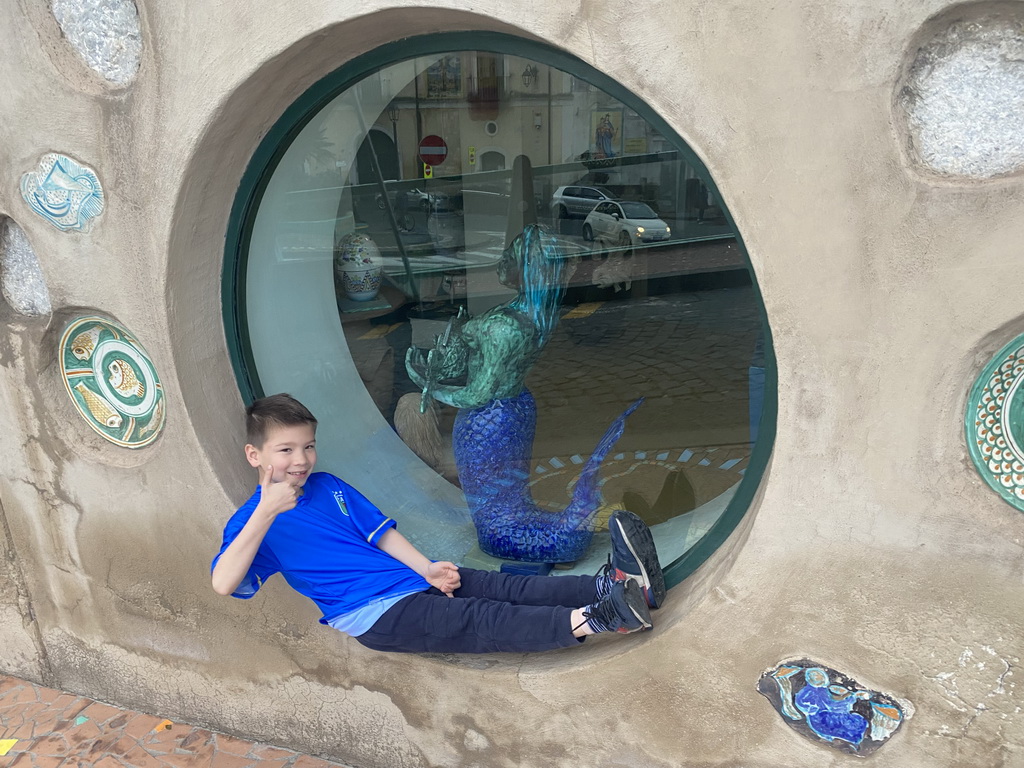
575, 202
625, 223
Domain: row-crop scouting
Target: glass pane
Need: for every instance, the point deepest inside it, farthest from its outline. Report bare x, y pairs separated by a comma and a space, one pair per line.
431, 266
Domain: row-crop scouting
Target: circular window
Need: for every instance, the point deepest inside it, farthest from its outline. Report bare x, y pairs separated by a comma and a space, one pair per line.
505, 336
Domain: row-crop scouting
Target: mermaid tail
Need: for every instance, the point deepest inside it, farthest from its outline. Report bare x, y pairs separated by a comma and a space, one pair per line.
493, 446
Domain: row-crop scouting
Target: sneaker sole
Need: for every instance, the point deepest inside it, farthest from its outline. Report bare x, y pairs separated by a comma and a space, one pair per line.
640, 544
637, 604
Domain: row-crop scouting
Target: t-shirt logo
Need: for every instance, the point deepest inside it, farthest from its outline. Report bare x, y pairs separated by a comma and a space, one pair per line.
340, 498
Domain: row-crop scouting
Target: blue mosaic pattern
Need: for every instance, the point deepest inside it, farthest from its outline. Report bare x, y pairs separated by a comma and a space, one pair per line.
493, 448
495, 426
830, 708
66, 194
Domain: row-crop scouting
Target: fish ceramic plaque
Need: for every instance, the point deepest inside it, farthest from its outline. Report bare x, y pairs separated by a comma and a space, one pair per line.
112, 382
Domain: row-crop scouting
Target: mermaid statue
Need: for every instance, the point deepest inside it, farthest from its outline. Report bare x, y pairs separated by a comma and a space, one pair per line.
494, 428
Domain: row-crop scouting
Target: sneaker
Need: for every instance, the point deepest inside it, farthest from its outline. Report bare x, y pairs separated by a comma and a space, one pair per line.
635, 556
623, 609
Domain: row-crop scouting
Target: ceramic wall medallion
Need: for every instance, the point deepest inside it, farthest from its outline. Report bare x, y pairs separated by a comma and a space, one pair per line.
111, 381
995, 423
830, 708
66, 194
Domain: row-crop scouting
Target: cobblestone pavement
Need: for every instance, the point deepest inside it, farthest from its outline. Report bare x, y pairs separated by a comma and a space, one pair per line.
44, 728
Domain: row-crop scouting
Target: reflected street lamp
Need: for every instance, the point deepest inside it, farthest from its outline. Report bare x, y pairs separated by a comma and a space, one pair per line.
529, 75
393, 117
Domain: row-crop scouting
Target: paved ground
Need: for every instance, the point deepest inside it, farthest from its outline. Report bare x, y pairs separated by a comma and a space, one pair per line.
49, 729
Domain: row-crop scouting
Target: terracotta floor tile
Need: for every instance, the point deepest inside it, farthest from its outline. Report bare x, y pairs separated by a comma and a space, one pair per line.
182, 758
100, 712
278, 762
307, 761
137, 757
43, 721
197, 740
25, 731
123, 745
48, 761
271, 753
52, 744
140, 726
35, 709
18, 695
227, 760
120, 721
232, 745
72, 706
80, 735
7, 683
169, 737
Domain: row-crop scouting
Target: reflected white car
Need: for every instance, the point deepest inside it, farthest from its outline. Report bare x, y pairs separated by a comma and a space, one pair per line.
625, 223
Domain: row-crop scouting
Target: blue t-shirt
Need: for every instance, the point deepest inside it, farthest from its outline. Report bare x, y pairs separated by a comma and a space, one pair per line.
326, 549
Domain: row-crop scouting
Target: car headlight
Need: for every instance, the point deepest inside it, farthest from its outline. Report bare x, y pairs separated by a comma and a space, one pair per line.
640, 230
668, 230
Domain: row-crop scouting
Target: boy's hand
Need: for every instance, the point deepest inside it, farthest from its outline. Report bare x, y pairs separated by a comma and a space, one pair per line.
278, 497
444, 576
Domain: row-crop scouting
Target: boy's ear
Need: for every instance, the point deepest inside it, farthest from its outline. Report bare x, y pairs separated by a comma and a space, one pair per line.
252, 455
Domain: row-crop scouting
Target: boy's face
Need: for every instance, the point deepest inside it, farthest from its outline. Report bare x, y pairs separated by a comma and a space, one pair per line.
291, 451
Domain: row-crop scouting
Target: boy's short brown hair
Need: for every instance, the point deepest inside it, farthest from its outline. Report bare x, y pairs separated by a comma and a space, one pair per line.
280, 410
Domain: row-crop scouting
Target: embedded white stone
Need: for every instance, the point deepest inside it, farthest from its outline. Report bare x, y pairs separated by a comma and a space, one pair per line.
964, 99
106, 33
21, 278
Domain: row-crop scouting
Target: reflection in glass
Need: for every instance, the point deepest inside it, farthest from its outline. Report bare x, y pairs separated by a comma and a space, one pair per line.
645, 294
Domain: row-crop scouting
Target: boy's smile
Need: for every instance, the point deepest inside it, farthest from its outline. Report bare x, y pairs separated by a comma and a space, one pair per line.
289, 450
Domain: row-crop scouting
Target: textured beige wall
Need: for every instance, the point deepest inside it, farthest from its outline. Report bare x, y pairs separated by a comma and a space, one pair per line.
875, 549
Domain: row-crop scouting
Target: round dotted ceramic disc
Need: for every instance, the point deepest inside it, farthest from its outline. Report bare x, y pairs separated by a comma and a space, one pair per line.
995, 423
111, 381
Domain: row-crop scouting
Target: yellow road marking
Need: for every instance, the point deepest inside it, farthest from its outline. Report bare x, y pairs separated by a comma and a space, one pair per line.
379, 331
582, 310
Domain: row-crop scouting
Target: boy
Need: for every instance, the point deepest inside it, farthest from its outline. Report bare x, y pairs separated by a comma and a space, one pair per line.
335, 547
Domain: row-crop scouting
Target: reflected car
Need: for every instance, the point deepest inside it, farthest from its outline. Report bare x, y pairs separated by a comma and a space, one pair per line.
575, 202
411, 199
625, 223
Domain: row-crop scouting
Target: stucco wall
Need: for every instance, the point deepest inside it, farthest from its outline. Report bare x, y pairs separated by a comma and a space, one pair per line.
875, 547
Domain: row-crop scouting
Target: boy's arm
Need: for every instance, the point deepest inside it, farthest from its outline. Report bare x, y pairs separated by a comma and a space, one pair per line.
234, 562
442, 575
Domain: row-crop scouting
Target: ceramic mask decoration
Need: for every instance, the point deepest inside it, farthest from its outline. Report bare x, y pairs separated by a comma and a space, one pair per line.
112, 382
995, 423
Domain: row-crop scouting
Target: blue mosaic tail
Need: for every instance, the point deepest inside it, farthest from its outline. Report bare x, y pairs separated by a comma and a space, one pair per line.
585, 496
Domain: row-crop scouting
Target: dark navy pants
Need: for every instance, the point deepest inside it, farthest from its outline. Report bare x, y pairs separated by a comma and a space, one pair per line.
490, 612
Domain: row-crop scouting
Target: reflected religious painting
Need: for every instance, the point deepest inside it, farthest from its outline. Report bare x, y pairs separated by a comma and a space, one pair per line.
444, 77
605, 133
830, 708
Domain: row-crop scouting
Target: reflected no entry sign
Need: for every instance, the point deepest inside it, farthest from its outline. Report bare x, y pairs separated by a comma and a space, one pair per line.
433, 150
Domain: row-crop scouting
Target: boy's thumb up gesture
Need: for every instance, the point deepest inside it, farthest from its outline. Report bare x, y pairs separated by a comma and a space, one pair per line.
276, 498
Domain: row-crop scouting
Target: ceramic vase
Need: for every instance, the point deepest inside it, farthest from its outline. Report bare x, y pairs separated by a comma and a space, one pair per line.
358, 267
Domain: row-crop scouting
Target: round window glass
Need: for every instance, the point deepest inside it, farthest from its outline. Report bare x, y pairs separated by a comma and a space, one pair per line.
515, 302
